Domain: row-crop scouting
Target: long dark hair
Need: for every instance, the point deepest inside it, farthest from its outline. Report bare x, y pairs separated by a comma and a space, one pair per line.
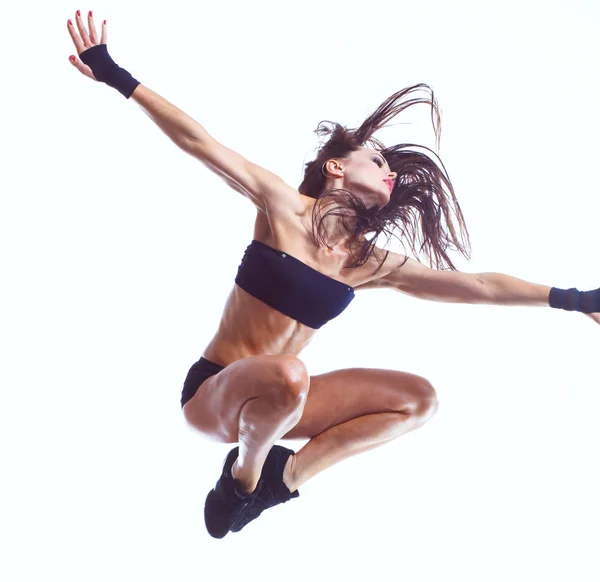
422, 190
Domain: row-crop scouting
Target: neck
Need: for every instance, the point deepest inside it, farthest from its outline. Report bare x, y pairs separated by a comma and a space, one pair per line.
333, 232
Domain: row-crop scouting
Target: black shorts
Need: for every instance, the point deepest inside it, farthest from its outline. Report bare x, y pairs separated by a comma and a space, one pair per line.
199, 372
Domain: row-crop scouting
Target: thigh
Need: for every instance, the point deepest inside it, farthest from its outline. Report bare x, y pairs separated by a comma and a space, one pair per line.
342, 395
215, 407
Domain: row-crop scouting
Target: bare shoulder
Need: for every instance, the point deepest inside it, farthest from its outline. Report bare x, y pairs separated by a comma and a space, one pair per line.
285, 199
289, 227
284, 218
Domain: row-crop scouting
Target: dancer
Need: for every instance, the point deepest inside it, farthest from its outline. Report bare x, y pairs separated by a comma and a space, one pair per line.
309, 255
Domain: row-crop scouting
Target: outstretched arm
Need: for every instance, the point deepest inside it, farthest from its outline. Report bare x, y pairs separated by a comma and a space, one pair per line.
507, 290
420, 281
265, 189
174, 123
97, 64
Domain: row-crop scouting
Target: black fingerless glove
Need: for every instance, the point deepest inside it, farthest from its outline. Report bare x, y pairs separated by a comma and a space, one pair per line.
107, 71
575, 300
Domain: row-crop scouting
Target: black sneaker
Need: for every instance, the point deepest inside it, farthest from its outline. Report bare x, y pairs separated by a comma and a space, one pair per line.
225, 503
271, 489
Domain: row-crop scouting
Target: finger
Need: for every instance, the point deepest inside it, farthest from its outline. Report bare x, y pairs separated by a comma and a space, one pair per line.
92, 27
103, 39
82, 67
82, 31
76, 40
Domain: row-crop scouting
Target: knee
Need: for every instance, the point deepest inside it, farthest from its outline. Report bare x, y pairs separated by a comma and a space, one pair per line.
425, 403
293, 378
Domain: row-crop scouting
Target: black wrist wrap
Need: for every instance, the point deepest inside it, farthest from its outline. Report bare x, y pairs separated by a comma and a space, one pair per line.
575, 300
107, 71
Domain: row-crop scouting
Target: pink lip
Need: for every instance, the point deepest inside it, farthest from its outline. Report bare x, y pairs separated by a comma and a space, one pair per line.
390, 184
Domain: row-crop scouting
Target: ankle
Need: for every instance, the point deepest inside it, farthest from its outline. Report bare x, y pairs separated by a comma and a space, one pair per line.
243, 486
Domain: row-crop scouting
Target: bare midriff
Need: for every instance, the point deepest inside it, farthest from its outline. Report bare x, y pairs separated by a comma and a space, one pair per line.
249, 327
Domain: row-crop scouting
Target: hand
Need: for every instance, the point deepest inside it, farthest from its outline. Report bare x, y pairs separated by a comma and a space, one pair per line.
594, 316
85, 42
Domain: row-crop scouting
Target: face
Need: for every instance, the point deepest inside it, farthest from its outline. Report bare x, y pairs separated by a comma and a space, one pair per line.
363, 175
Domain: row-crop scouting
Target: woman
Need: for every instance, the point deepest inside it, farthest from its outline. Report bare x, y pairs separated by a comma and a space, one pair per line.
308, 256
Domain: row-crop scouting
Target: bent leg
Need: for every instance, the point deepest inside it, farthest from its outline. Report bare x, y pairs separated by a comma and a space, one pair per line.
253, 401
346, 440
353, 411
263, 421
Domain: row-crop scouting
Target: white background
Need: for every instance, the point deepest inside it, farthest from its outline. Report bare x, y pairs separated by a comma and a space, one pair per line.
118, 251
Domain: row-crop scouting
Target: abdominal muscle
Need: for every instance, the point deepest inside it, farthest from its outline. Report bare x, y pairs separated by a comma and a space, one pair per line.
248, 326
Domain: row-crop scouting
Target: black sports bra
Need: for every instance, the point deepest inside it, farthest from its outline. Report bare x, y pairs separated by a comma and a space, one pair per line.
291, 286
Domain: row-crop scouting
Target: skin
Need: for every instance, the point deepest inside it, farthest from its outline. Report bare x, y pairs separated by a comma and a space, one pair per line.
363, 174
265, 392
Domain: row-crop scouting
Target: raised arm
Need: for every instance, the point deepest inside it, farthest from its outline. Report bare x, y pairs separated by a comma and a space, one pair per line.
174, 123
97, 64
265, 189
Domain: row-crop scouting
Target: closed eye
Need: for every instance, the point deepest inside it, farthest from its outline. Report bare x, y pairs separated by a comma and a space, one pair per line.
378, 161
